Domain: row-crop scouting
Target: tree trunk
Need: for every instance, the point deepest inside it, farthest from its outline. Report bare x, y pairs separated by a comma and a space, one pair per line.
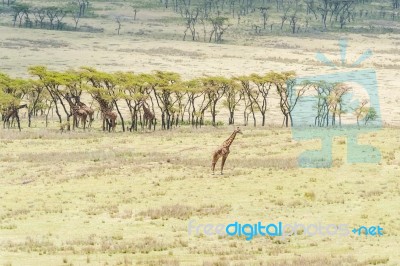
120, 116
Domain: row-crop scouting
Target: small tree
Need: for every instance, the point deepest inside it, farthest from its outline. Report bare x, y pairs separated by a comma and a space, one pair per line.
232, 99
371, 115
51, 13
40, 15
20, 10
285, 86
118, 20
219, 27
215, 89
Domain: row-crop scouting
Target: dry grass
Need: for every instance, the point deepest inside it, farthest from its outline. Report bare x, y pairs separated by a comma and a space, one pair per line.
127, 198
184, 212
93, 198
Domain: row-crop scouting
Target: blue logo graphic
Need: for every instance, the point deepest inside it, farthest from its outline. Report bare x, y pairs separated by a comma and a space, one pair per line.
318, 113
372, 230
279, 229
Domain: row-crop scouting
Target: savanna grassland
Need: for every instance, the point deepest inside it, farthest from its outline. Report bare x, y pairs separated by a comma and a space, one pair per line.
126, 198
90, 198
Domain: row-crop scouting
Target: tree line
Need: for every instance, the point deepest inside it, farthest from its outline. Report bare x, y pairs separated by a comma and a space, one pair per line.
50, 17
208, 20
166, 97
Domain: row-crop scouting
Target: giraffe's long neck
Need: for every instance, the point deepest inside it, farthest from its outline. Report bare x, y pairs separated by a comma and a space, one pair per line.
229, 141
71, 104
146, 110
103, 105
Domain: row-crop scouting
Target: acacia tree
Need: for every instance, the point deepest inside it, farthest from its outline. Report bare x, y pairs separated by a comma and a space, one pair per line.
219, 26
202, 105
59, 16
163, 92
20, 10
8, 103
104, 89
135, 89
233, 97
191, 19
115, 91
74, 82
365, 112
263, 86
40, 15
325, 101
249, 106
180, 103
53, 82
51, 13
35, 98
335, 10
13, 91
215, 89
196, 95
288, 96
335, 102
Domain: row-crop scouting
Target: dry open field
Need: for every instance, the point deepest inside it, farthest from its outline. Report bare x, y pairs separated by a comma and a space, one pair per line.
94, 198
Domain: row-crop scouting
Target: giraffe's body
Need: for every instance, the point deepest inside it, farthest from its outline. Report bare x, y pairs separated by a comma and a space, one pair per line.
107, 114
12, 113
223, 151
89, 111
76, 112
148, 116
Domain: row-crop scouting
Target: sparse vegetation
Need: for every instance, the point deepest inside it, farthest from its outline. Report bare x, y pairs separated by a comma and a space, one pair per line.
94, 198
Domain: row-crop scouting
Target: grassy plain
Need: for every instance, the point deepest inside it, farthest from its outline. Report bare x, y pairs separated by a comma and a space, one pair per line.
93, 198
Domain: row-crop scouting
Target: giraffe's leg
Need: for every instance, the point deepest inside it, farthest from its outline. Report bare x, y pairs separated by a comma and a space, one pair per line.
91, 120
8, 121
223, 162
214, 161
18, 123
112, 124
84, 122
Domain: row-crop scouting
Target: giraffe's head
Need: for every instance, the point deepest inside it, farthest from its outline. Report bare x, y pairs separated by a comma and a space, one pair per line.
143, 103
77, 99
237, 130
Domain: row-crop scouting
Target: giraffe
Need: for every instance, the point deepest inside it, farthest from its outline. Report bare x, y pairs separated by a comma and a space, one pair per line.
223, 151
87, 109
12, 113
148, 116
106, 113
76, 112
